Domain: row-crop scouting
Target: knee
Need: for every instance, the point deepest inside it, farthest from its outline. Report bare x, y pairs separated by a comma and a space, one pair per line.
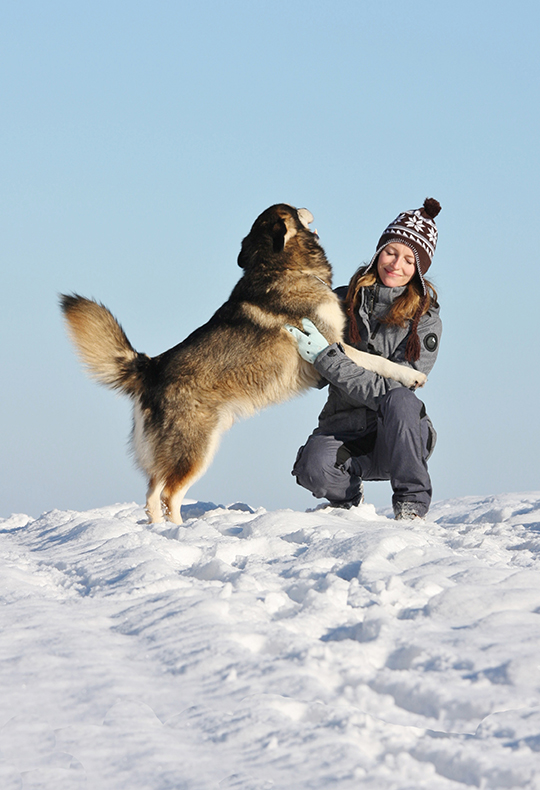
402, 402
314, 463
318, 470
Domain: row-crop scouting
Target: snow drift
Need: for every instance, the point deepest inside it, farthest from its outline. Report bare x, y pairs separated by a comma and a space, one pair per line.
255, 650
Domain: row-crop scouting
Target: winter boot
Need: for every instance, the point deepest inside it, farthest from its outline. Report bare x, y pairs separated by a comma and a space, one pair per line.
358, 500
409, 511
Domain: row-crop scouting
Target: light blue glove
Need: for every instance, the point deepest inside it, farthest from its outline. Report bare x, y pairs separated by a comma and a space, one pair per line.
310, 341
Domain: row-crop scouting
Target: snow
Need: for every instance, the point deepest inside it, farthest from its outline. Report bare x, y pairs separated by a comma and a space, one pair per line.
250, 650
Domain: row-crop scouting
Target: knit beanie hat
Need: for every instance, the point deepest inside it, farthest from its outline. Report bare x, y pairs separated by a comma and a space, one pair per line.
415, 228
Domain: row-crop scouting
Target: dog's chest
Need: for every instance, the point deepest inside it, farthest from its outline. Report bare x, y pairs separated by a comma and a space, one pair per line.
331, 315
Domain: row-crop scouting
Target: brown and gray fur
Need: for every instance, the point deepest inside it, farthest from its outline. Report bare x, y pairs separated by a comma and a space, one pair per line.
240, 361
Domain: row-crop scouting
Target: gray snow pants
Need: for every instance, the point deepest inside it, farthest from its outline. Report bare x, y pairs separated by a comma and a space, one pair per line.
333, 466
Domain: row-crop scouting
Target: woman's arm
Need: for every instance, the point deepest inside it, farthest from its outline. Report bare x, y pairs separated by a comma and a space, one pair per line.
361, 387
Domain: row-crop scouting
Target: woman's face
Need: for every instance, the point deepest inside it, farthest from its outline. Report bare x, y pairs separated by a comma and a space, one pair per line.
396, 265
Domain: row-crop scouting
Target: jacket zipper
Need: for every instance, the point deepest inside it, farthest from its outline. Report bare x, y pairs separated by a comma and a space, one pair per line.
374, 297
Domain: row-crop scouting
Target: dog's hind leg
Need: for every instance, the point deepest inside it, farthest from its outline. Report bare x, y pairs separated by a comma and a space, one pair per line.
175, 499
175, 490
203, 448
153, 500
198, 447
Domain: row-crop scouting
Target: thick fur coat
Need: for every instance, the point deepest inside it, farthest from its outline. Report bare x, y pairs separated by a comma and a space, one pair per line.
240, 361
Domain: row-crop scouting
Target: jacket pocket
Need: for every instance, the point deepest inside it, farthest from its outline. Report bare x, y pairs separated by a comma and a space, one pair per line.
431, 439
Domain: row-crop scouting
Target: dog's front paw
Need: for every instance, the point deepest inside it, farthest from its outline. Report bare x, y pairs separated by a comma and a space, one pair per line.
414, 379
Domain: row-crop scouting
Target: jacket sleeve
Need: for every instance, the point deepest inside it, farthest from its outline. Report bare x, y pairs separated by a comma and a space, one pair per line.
361, 387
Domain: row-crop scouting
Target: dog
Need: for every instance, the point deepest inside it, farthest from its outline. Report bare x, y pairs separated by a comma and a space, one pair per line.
240, 361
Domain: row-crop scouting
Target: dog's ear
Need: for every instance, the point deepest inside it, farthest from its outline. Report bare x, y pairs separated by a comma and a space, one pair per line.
278, 233
245, 253
283, 230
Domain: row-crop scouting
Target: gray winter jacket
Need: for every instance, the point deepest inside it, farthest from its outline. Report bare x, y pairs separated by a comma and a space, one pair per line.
355, 392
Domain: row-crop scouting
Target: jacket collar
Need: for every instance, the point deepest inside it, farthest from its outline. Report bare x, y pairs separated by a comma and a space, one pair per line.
387, 295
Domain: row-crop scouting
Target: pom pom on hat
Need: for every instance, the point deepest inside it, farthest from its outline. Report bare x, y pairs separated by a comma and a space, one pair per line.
431, 207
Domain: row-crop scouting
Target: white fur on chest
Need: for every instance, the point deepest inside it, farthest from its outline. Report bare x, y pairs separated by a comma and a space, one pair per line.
331, 315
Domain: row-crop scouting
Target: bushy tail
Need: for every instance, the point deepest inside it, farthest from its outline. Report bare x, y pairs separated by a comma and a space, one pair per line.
102, 344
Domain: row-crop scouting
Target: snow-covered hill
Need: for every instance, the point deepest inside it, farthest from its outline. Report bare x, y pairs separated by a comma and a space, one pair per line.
251, 650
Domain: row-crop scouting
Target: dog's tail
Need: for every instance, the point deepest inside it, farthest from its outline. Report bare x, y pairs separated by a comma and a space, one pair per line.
102, 344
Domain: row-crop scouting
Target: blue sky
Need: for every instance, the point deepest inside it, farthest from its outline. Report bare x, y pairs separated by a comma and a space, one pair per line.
140, 140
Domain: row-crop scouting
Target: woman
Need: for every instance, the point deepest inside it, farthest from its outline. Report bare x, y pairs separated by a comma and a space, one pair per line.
372, 428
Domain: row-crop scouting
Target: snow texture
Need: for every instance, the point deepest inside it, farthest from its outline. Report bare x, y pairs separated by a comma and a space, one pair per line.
254, 650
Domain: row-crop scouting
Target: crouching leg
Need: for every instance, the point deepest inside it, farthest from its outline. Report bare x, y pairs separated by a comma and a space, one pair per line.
326, 468
405, 440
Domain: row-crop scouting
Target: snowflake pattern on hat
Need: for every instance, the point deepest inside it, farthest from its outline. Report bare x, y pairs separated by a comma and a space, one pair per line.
415, 221
432, 235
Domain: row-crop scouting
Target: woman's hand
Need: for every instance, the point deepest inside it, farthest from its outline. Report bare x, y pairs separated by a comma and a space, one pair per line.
310, 341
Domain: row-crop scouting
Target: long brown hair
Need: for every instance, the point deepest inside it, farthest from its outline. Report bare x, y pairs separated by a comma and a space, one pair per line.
410, 306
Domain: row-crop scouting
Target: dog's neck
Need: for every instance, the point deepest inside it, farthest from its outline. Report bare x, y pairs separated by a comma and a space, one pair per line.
318, 278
